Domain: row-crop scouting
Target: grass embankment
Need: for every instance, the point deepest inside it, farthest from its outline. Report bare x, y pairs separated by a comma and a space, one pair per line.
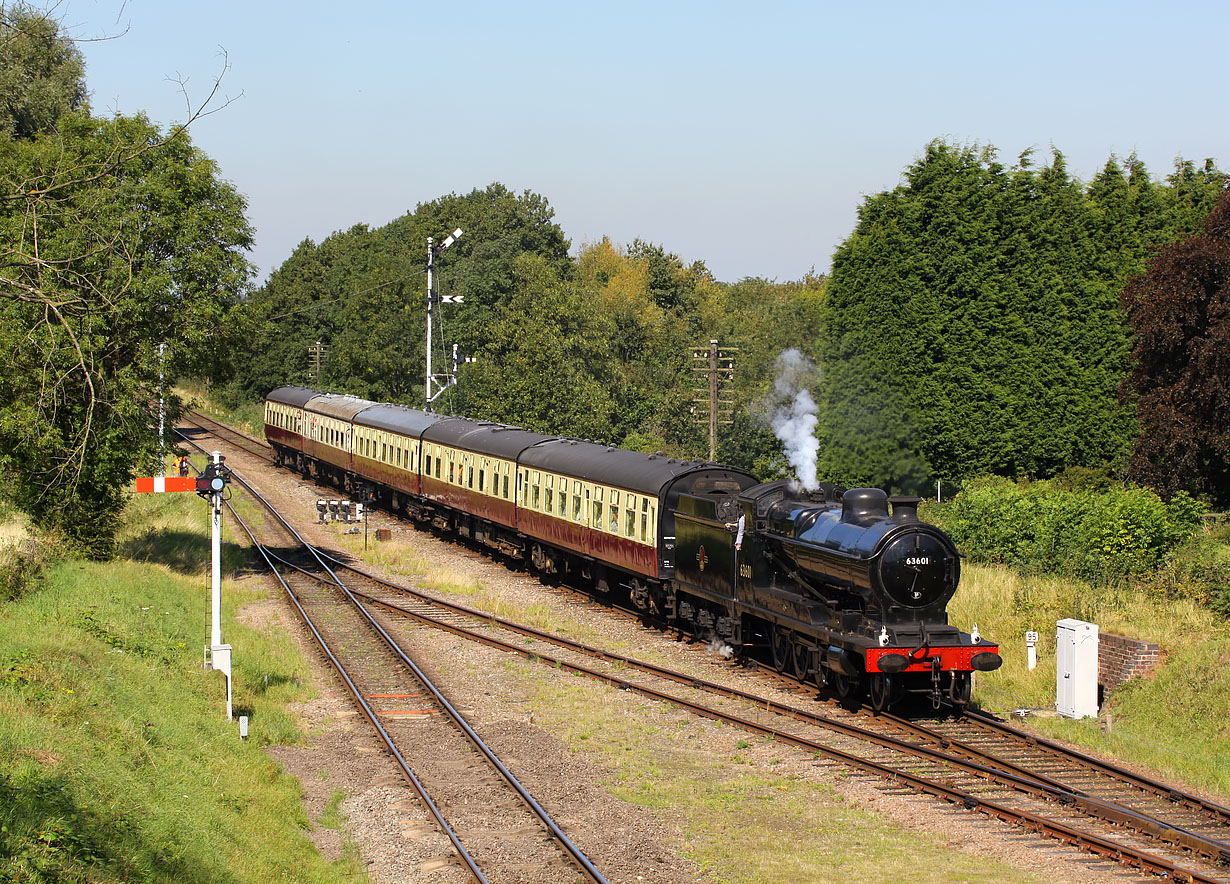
116, 761
248, 417
1175, 720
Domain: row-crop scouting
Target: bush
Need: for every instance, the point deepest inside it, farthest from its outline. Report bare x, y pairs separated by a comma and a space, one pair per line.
1079, 529
22, 564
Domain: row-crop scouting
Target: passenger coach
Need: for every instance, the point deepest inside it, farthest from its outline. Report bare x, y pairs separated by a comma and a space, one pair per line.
565, 504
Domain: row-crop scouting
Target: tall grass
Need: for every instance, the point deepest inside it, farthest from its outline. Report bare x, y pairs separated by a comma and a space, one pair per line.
1173, 719
116, 762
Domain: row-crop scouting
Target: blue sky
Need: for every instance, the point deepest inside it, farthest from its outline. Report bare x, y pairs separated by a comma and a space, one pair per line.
739, 134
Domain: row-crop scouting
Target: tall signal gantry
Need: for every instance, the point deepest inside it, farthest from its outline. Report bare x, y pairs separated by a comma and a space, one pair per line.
441, 381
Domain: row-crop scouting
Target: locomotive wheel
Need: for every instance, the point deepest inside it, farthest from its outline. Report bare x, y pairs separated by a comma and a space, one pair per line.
782, 649
845, 686
801, 660
881, 690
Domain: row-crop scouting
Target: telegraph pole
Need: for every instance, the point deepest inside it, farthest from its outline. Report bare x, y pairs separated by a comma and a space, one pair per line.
716, 368
316, 355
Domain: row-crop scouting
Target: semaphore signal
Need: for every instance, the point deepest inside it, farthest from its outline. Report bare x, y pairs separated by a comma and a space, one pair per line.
210, 484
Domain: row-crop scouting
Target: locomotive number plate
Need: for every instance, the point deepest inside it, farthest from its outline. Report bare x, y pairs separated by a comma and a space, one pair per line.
917, 560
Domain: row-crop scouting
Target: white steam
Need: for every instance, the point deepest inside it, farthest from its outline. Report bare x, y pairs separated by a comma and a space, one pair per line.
794, 414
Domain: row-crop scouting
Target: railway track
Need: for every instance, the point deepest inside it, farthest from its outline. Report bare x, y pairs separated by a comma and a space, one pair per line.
958, 772
497, 829
255, 447
1012, 776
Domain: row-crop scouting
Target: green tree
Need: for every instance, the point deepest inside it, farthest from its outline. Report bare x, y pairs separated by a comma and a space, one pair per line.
362, 293
42, 75
972, 321
670, 285
545, 363
114, 237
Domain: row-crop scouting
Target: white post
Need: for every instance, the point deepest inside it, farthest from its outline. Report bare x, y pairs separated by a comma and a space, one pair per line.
430, 256
215, 586
1031, 649
431, 300
162, 416
219, 654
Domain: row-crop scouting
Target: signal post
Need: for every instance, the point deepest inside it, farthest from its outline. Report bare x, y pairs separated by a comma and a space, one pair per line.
210, 484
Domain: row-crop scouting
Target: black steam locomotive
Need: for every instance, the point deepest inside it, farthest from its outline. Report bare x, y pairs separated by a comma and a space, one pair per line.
835, 588
841, 591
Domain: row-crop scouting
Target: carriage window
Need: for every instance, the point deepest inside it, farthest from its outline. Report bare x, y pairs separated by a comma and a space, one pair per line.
576, 506
470, 477
629, 522
506, 486
597, 523
535, 497
614, 517
439, 466
450, 472
428, 470
482, 476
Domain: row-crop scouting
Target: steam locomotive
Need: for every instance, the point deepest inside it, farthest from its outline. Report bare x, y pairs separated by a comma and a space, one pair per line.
830, 585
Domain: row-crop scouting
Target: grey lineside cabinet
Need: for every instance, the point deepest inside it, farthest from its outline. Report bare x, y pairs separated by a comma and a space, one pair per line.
1076, 669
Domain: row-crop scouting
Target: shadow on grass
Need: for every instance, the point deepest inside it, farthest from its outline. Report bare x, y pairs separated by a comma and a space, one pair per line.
48, 835
183, 552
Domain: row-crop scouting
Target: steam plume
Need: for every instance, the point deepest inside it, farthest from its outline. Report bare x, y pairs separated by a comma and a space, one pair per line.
794, 418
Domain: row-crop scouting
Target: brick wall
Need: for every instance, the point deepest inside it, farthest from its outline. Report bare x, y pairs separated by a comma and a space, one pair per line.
1121, 658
